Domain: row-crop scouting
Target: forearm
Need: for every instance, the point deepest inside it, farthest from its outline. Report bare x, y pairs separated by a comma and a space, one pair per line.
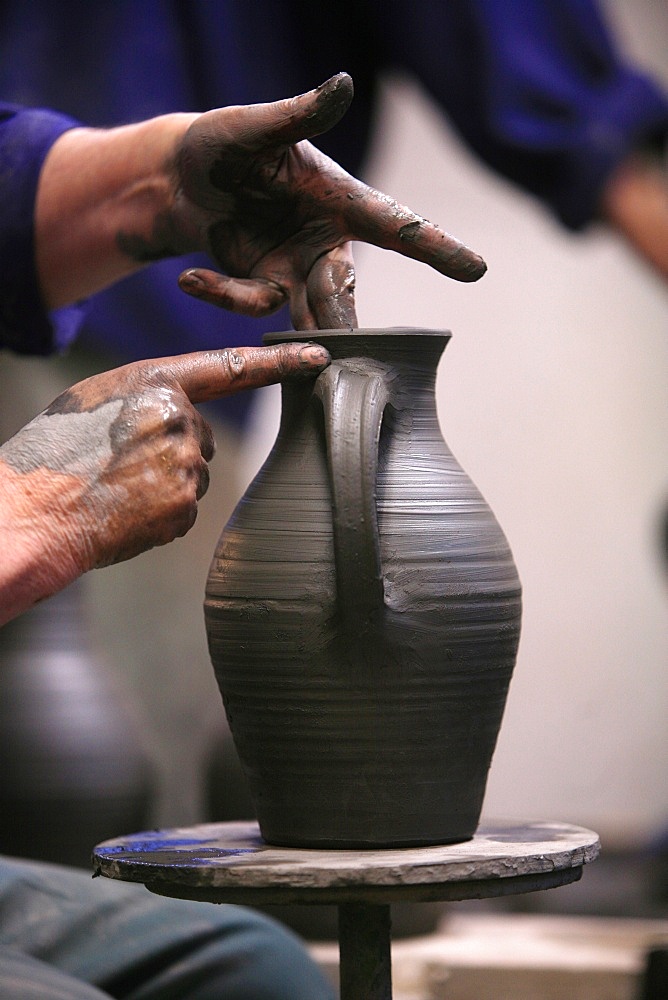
104, 206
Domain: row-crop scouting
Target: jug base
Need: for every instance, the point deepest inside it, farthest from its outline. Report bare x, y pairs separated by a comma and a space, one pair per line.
359, 844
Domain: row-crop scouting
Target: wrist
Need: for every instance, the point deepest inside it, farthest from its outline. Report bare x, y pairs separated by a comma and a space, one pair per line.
105, 205
38, 556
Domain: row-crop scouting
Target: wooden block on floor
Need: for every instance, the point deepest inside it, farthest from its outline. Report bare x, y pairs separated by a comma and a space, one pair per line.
519, 957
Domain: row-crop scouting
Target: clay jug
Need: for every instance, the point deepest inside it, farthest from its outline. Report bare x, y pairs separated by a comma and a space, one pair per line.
363, 610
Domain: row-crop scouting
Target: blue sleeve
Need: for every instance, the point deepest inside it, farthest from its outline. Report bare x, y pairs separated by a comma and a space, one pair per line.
26, 135
536, 88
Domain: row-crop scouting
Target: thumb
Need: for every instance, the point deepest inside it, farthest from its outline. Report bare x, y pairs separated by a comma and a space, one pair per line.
287, 121
312, 113
207, 375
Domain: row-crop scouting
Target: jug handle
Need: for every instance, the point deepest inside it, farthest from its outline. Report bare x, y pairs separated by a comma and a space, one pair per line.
354, 402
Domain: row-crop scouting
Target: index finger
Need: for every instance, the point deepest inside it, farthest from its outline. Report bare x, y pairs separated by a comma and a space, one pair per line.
207, 375
375, 218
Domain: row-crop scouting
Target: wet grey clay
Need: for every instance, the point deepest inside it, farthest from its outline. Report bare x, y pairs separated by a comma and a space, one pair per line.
363, 610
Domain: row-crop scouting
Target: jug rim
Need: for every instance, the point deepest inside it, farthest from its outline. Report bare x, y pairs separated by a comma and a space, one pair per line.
386, 331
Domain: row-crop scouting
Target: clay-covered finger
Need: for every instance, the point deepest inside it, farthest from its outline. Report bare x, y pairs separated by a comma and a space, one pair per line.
248, 296
208, 375
330, 288
375, 218
258, 126
309, 114
295, 118
423, 241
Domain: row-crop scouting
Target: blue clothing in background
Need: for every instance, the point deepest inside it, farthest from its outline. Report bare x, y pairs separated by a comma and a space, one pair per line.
536, 89
26, 136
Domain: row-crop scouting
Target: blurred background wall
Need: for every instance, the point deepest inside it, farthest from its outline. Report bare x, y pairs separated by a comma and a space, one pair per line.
553, 394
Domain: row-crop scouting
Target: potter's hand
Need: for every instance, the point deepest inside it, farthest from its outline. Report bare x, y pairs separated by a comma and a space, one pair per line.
278, 215
117, 463
243, 184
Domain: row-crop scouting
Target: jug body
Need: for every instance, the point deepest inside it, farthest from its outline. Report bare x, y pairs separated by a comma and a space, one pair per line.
363, 611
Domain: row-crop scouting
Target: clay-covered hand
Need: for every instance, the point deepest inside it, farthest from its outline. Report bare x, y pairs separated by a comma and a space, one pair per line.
116, 464
278, 215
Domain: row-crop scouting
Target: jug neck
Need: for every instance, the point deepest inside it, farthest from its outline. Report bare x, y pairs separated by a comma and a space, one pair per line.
409, 355
412, 346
